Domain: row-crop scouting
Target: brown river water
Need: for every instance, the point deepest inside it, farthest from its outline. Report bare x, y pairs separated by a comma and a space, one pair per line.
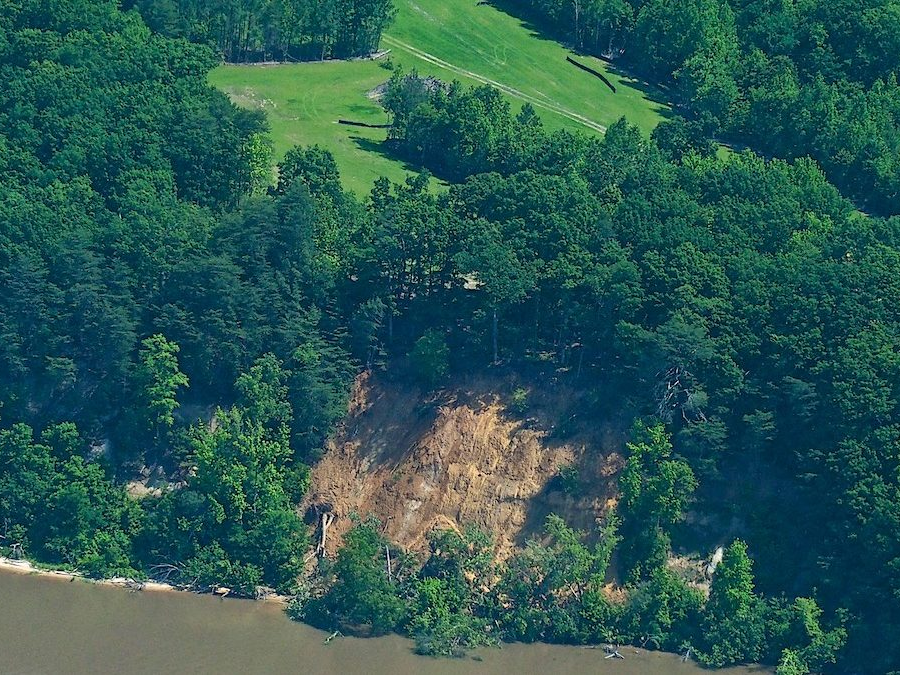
50, 626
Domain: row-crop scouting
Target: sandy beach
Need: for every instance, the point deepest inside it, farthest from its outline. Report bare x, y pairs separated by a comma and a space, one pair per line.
27, 567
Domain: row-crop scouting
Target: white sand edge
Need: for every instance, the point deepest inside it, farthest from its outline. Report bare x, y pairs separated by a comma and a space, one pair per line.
27, 567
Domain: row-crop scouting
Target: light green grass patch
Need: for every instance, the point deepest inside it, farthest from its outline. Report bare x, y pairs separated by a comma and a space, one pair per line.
455, 39
304, 102
499, 47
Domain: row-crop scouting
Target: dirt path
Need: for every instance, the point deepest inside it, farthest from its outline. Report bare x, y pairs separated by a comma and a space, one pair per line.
506, 89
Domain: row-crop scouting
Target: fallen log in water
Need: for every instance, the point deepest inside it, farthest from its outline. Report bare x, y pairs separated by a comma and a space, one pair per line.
612, 652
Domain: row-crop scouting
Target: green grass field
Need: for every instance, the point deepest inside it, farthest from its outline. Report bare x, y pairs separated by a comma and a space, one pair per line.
502, 48
303, 103
449, 39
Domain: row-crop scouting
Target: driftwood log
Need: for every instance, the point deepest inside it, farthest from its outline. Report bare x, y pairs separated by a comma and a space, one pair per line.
612, 652
164, 571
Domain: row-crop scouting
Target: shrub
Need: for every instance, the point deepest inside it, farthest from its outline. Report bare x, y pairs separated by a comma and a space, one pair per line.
518, 402
430, 357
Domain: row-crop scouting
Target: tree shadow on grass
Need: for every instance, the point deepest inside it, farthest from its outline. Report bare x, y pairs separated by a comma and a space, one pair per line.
657, 94
375, 115
384, 150
660, 98
652, 92
511, 9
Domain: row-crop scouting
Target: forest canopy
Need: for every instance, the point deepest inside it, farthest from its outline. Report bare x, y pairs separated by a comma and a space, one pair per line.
281, 30
164, 308
789, 79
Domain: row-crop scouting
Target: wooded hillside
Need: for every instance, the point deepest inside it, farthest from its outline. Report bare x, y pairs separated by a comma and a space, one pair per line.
281, 30
789, 79
166, 307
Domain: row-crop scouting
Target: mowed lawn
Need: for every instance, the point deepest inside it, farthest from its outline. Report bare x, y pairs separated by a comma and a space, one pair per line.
304, 102
503, 48
449, 39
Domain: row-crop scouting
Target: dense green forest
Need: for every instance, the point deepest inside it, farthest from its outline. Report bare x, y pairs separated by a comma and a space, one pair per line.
162, 305
789, 79
263, 30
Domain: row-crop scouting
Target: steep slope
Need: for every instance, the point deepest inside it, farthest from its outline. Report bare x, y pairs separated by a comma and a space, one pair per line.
460, 458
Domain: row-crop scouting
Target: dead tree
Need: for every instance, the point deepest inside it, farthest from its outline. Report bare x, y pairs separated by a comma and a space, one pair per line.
675, 391
15, 551
163, 571
325, 521
263, 592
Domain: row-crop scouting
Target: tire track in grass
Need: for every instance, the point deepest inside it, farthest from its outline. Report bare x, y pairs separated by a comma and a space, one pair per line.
506, 89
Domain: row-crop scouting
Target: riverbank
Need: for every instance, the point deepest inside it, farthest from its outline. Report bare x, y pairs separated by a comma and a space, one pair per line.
91, 628
29, 568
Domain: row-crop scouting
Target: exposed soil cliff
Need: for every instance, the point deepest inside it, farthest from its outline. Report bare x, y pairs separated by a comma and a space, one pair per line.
462, 457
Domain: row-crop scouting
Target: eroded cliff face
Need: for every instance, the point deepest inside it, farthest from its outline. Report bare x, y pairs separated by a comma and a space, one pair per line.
459, 458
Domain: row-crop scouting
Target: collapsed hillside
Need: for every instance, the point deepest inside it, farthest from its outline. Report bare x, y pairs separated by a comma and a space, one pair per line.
463, 457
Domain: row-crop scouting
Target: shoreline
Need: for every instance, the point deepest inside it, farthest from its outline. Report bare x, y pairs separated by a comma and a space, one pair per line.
664, 661
26, 567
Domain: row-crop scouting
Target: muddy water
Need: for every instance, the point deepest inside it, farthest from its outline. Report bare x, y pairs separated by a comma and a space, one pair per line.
49, 626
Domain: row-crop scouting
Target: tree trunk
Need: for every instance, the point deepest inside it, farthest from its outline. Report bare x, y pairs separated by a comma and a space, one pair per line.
391, 325
577, 6
494, 334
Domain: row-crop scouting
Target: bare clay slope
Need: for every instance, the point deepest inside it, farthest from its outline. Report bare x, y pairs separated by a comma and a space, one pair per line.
460, 458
